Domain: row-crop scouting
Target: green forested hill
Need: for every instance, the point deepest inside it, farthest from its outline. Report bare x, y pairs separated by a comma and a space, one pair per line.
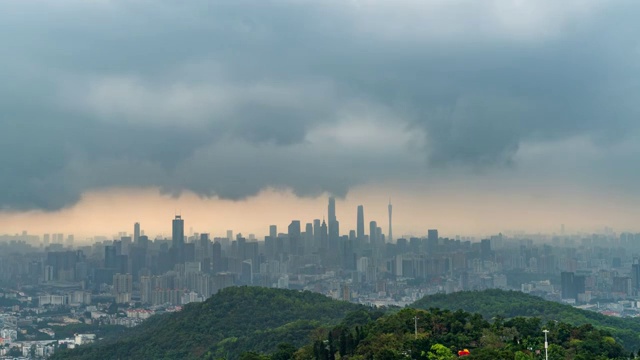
442, 333
249, 323
227, 324
509, 304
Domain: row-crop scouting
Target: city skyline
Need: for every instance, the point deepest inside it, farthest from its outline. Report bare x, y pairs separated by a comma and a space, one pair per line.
158, 226
157, 154
473, 118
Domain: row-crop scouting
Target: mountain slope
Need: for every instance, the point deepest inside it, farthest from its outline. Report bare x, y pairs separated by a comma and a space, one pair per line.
441, 334
509, 304
227, 324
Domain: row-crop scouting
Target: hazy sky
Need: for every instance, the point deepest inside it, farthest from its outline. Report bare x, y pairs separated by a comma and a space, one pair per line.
473, 116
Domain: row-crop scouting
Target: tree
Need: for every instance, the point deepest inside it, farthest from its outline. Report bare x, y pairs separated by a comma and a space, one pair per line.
285, 352
522, 356
556, 352
440, 352
252, 356
113, 308
14, 352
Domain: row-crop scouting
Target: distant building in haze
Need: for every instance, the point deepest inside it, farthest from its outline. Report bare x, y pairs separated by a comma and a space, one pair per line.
177, 234
110, 257
294, 237
485, 249
324, 236
333, 225
360, 224
635, 276
373, 233
390, 207
136, 232
308, 238
316, 233
572, 285
332, 209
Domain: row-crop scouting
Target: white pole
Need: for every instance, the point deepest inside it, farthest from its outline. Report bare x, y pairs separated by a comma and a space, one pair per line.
546, 345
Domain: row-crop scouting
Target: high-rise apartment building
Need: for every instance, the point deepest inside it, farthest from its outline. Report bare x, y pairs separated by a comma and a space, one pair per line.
122, 283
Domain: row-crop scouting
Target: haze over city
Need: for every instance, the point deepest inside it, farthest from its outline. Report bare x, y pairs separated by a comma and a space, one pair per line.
474, 118
319, 179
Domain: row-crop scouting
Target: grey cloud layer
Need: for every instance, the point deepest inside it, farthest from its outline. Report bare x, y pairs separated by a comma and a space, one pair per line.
226, 98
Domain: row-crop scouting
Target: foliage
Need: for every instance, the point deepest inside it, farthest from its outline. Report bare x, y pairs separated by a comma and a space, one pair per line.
442, 333
234, 321
268, 324
440, 352
509, 304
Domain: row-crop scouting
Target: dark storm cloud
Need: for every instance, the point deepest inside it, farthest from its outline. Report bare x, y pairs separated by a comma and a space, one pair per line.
226, 98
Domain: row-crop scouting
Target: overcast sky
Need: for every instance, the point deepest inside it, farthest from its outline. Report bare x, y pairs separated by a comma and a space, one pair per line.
477, 116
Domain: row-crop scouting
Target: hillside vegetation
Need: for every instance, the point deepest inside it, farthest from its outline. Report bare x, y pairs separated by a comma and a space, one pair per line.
248, 323
442, 333
227, 324
509, 304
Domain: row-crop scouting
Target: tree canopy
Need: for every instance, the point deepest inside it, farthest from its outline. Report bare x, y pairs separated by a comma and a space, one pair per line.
509, 304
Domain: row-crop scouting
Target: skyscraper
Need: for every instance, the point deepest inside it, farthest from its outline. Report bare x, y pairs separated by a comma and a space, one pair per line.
572, 285
332, 209
360, 227
567, 285
316, 233
177, 236
308, 238
334, 225
294, 237
136, 233
390, 229
273, 231
110, 255
432, 240
324, 236
373, 231
635, 276
485, 249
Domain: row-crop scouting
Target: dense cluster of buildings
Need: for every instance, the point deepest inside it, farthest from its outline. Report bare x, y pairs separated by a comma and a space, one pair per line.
141, 276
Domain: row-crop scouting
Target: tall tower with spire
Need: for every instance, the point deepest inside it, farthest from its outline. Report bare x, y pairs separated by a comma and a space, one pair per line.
332, 209
390, 229
334, 225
